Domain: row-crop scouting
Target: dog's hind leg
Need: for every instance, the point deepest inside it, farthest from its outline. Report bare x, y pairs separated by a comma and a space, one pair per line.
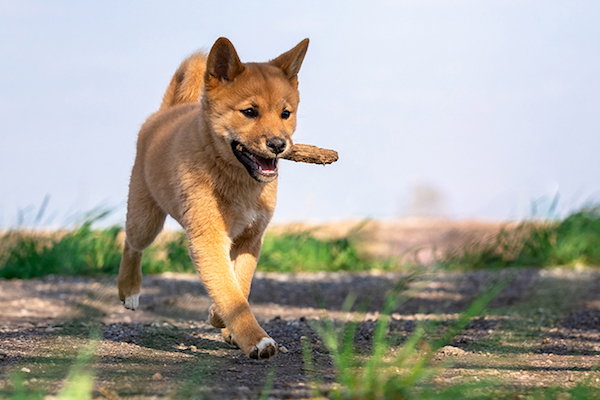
145, 220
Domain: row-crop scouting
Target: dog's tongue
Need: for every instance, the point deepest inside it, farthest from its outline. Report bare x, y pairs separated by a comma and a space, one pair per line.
267, 164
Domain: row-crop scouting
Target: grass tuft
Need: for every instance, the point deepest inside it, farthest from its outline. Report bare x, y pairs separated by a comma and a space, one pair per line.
86, 251
82, 251
295, 252
572, 241
383, 375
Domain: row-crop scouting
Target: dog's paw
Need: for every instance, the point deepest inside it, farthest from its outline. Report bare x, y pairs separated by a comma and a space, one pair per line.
132, 302
265, 349
215, 319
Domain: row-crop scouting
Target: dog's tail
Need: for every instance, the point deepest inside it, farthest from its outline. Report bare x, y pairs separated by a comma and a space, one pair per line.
186, 85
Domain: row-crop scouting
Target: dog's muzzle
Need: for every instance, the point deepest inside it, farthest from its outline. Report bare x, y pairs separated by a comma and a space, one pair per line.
260, 168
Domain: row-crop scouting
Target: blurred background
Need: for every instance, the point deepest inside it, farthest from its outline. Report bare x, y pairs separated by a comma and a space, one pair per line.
454, 109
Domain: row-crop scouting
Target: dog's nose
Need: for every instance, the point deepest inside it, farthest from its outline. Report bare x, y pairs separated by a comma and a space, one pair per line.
276, 145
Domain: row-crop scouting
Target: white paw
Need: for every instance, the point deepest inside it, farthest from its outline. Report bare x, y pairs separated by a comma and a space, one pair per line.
132, 302
266, 348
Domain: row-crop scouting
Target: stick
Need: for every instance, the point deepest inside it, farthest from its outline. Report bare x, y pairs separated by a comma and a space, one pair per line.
311, 154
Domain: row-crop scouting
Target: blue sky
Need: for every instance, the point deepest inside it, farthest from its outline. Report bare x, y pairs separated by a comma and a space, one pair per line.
490, 104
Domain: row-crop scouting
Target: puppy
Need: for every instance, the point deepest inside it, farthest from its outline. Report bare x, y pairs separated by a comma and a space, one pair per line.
208, 157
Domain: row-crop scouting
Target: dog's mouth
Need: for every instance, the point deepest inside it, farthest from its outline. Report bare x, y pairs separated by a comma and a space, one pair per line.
260, 168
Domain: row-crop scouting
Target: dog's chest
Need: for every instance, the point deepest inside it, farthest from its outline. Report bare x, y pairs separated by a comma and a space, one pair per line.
244, 217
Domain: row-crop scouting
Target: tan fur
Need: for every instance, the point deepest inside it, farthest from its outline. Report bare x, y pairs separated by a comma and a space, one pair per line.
187, 83
185, 167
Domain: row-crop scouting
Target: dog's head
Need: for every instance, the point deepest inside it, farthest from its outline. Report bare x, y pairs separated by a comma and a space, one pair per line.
251, 107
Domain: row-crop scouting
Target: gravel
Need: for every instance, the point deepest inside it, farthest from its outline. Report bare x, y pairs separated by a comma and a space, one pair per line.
167, 349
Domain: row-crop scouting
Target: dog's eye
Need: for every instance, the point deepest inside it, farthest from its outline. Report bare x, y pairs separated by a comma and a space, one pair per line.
250, 112
285, 114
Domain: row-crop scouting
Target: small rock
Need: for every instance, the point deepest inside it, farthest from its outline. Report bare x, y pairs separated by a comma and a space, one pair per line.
108, 394
448, 351
25, 369
283, 349
193, 348
157, 377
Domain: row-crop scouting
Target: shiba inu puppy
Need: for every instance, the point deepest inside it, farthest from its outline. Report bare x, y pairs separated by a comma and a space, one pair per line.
208, 157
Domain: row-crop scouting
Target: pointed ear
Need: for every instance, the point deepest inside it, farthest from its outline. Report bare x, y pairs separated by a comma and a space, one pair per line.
223, 63
290, 61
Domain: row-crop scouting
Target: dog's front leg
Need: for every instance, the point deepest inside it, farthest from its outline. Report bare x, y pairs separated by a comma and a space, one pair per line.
245, 251
210, 252
244, 254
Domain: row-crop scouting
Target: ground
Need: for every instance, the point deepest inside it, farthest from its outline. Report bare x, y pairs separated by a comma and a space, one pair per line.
542, 330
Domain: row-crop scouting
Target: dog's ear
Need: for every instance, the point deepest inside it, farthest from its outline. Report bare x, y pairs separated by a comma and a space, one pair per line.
290, 61
223, 63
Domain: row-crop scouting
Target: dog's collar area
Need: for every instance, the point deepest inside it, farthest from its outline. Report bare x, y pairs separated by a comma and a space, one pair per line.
260, 168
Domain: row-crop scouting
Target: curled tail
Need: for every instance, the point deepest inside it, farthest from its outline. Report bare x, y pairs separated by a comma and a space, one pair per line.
187, 83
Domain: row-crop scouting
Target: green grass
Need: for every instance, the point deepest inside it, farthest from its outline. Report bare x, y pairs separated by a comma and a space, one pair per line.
85, 250
82, 251
409, 371
572, 241
295, 252
405, 373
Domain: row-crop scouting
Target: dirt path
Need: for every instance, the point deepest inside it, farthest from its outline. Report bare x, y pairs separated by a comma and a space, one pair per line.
542, 330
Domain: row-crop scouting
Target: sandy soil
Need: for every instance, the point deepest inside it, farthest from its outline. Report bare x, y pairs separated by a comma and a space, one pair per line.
542, 330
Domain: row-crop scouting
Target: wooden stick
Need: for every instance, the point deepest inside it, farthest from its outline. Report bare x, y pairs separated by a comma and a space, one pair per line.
311, 154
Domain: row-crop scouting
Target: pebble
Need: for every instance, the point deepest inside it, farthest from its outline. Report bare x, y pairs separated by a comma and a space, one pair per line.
107, 393
25, 369
451, 351
283, 349
157, 377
